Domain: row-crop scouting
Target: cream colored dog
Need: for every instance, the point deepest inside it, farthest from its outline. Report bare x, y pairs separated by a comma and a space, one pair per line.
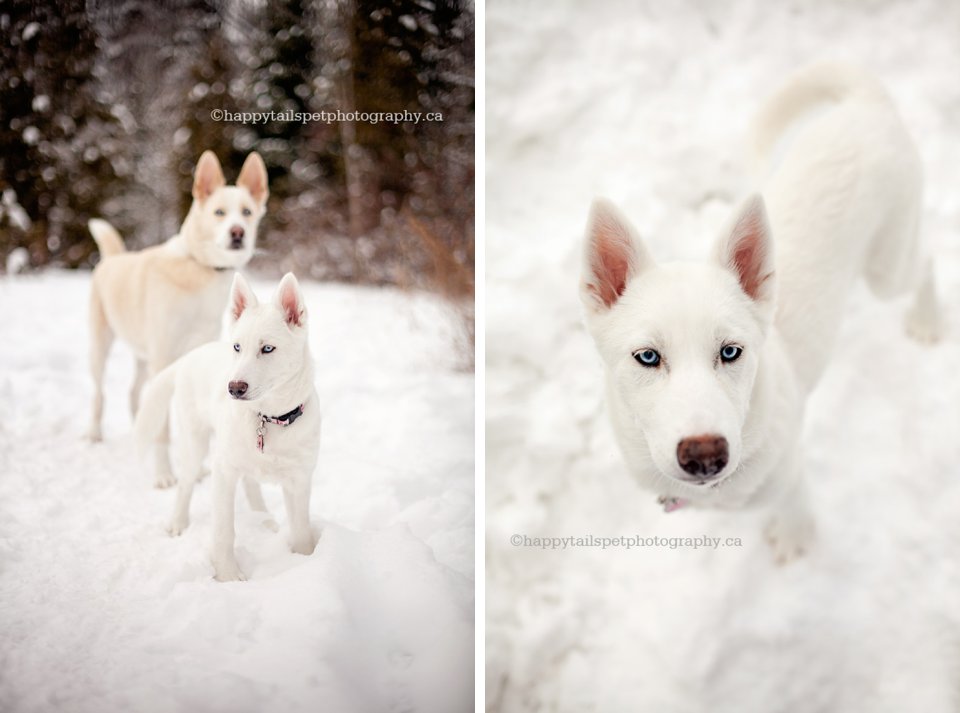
168, 299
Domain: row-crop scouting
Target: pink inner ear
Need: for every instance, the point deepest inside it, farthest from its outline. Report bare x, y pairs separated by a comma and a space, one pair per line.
747, 263
610, 263
239, 304
253, 179
257, 189
748, 256
291, 307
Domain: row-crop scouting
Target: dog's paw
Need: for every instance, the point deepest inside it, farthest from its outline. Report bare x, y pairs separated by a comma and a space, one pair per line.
303, 545
922, 328
789, 537
95, 434
164, 480
177, 526
228, 571
271, 524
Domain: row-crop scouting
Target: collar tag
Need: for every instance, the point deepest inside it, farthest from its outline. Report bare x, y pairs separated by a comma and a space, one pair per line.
284, 420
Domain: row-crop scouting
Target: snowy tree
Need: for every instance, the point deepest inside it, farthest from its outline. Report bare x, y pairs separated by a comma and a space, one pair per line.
402, 181
281, 71
211, 69
107, 106
61, 147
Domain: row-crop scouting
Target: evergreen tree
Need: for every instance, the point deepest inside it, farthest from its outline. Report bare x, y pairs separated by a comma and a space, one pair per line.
416, 56
280, 83
61, 148
208, 85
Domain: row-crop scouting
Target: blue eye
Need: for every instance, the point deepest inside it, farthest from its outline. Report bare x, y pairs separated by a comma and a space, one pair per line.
246, 211
731, 352
647, 357
267, 349
236, 347
220, 212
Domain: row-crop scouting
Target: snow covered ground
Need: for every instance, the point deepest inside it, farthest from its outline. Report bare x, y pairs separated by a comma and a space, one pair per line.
647, 103
101, 611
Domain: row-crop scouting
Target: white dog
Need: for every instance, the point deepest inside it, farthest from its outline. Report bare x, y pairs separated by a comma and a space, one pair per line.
168, 299
254, 393
708, 365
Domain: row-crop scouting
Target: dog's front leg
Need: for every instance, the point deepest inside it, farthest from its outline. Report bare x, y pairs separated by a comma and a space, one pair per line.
140, 377
296, 497
255, 497
224, 506
790, 531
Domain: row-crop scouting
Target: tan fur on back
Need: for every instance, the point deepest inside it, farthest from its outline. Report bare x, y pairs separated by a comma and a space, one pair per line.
143, 292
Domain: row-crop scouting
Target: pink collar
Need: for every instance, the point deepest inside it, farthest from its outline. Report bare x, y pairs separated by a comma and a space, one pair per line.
670, 504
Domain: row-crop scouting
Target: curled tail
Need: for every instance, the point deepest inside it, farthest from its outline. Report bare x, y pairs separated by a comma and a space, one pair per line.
822, 83
106, 236
154, 407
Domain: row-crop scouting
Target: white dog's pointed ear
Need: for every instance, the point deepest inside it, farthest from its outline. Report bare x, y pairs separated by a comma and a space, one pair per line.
747, 250
241, 297
289, 299
613, 255
253, 177
208, 177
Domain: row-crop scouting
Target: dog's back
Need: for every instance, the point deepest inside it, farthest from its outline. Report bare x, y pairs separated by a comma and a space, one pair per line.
160, 289
844, 200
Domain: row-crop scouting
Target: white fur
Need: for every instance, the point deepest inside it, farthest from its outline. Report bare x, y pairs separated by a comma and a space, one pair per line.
196, 386
844, 201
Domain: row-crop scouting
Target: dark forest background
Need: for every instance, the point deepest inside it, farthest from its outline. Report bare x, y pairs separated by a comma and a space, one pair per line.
105, 108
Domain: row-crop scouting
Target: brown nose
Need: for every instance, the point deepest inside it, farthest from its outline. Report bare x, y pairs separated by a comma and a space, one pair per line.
703, 456
237, 388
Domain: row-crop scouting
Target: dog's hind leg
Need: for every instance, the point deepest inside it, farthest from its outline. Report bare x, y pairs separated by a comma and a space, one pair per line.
924, 320
101, 337
191, 447
255, 497
181, 507
139, 378
895, 265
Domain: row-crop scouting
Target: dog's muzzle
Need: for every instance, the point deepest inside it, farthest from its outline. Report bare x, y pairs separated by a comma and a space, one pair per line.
237, 389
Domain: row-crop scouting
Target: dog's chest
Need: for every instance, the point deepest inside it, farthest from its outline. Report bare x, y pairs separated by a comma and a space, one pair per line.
212, 298
190, 318
274, 453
